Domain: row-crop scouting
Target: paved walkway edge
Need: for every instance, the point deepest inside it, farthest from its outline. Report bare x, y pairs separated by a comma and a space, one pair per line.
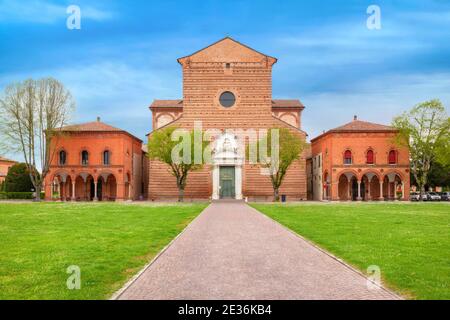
119, 292
317, 247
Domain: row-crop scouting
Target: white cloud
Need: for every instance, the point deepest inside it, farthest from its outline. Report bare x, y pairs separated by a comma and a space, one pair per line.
45, 12
117, 92
378, 100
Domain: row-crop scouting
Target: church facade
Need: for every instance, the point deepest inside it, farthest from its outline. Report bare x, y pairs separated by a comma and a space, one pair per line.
227, 87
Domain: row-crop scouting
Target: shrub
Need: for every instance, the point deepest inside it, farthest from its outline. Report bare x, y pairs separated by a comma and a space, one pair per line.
18, 195
18, 179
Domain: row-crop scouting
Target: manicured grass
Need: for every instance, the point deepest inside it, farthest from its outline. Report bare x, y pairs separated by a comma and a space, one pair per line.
409, 242
109, 242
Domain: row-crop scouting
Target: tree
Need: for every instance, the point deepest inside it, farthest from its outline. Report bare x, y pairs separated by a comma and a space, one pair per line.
439, 175
182, 157
425, 130
18, 179
32, 112
277, 151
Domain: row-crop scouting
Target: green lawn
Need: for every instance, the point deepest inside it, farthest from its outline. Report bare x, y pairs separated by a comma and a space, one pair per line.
109, 242
409, 242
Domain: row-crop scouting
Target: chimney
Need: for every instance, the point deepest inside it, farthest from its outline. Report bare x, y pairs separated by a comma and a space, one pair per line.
98, 119
355, 117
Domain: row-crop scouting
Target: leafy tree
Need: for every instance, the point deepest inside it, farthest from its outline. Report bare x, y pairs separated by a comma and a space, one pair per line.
425, 130
32, 112
18, 179
181, 156
439, 176
276, 152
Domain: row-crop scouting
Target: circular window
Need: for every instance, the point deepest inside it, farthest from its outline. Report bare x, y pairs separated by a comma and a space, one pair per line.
227, 99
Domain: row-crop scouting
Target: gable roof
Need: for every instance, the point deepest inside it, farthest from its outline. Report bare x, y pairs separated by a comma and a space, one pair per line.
95, 126
287, 103
7, 160
178, 103
276, 103
356, 126
90, 126
227, 38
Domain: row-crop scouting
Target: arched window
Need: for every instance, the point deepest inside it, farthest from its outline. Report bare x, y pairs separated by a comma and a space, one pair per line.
106, 156
84, 158
62, 158
369, 157
347, 157
392, 157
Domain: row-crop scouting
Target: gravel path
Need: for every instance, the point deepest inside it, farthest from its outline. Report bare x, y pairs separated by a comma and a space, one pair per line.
231, 251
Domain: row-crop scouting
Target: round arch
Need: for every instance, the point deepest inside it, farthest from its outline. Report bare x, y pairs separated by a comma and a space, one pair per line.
370, 181
347, 180
106, 186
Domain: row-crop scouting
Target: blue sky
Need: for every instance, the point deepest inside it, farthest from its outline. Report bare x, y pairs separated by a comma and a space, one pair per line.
125, 54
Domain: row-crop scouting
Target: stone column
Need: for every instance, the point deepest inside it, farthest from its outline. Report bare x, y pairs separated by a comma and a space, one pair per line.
238, 182
95, 190
216, 178
359, 191
389, 190
73, 191
395, 190
369, 196
403, 190
381, 190
349, 190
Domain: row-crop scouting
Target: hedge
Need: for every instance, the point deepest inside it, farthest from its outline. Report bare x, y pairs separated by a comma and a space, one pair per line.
18, 195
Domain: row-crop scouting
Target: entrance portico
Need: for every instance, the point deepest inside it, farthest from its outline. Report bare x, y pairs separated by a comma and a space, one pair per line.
227, 168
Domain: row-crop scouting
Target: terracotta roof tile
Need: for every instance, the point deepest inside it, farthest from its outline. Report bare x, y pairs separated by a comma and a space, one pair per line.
287, 103
358, 126
90, 126
6, 160
167, 104
94, 126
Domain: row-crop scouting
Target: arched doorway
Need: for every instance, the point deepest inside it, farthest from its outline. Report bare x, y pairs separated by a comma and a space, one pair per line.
370, 186
227, 167
110, 188
67, 189
393, 187
60, 186
106, 187
348, 186
83, 187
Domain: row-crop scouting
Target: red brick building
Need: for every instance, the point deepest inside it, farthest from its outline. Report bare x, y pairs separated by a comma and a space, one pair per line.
5, 164
359, 161
95, 161
227, 86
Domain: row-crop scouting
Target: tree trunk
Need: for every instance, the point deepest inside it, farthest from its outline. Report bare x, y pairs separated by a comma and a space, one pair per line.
180, 194
37, 197
421, 192
276, 195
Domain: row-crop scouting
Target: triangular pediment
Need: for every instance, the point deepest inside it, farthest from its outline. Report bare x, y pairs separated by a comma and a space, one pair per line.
227, 50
